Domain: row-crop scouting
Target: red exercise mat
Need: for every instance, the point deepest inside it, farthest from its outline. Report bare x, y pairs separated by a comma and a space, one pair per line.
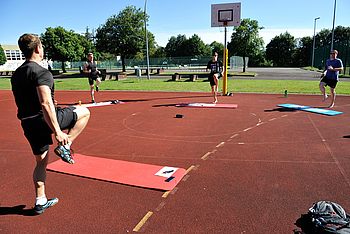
208, 105
123, 172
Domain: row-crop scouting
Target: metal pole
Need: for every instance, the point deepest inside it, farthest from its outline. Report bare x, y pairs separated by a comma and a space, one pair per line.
224, 82
335, 6
313, 46
146, 35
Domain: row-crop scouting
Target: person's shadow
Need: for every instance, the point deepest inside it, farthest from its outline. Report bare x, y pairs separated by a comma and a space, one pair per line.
17, 210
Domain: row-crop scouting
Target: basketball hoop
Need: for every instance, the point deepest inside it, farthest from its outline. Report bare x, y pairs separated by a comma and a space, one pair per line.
225, 15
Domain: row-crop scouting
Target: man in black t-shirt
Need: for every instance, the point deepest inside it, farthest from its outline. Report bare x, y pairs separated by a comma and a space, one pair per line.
90, 68
216, 69
33, 90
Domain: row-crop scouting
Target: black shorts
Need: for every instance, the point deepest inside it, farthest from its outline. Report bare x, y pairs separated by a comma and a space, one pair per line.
211, 78
330, 82
92, 79
38, 133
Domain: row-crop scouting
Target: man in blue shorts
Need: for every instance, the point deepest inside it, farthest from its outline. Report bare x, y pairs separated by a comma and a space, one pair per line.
216, 69
330, 76
33, 90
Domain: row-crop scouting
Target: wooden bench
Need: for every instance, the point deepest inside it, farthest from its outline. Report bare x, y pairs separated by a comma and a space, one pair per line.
6, 73
117, 75
192, 76
151, 70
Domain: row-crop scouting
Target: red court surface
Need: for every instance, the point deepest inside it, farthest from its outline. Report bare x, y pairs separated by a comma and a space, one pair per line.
254, 169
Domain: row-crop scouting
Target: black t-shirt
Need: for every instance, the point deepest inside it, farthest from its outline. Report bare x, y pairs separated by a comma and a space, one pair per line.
24, 82
214, 66
92, 67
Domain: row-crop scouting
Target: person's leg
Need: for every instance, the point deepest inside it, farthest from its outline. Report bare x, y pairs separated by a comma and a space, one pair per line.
213, 92
39, 179
333, 97
39, 175
73, 119
216, 87
323, 90
92, 92
98, 82
83, 115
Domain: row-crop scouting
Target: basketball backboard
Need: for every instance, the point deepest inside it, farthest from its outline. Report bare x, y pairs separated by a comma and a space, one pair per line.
226, 14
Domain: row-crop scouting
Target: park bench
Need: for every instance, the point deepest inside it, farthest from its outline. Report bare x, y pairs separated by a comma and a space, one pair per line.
191, 75
6, 73
117, 75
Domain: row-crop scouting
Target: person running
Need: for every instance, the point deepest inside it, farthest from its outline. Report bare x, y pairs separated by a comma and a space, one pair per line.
33, 91
330, 76
90, 67
216, 68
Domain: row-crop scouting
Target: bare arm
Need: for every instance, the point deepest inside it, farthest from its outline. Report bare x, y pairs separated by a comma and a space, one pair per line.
85, 69
49, 112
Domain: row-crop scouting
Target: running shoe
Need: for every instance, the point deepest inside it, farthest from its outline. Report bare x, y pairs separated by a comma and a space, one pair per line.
39, 209
65, 154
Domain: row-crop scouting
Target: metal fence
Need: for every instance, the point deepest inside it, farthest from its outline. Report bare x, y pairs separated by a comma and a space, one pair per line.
322, 54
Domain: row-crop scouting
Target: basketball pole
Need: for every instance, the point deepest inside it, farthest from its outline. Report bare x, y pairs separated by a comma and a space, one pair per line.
225, 62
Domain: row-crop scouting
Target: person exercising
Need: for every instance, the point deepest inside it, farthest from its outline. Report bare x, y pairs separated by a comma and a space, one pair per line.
90, 68
216, 69
33, 91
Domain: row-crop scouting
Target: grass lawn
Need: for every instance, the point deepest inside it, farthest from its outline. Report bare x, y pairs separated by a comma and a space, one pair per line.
234, 85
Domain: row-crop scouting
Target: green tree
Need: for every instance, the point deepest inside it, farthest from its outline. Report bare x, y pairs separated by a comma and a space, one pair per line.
303, 51
195, 47
176, 46
281, 50
2, 56
124, 34
245, 40
217, 47
62, 45
159, 52
180, 46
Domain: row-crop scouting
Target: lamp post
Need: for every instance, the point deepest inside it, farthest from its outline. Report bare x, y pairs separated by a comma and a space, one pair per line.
146, 36
313, 45
335, 6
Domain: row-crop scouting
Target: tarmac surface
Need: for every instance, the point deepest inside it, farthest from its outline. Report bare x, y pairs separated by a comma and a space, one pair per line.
254, 169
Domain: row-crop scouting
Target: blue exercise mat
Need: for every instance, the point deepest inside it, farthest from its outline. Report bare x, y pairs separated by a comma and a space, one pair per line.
311, 109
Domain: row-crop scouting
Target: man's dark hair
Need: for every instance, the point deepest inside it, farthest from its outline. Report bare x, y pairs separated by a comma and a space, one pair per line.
28, 43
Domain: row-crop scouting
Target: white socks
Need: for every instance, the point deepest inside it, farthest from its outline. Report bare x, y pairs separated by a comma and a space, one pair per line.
41, 200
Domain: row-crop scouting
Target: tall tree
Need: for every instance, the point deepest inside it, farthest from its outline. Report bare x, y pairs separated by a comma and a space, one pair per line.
195, 47
217, 47
303, 51
281, 49
245, 40
62, 45
2, 56
124, 34
176, 46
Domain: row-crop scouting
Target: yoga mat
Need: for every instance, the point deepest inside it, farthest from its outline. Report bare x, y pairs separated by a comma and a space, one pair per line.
123, 172
96, 104
311, 109
207, 105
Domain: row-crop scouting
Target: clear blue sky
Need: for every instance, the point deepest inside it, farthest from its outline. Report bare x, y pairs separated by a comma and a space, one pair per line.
170, 17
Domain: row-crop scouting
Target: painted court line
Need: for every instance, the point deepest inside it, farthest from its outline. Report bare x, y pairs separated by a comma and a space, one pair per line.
219, 145
205, 156
143, 221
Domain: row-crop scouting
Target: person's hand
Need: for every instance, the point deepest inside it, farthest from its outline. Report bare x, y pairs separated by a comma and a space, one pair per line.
330, 68
62, 138
55, 102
